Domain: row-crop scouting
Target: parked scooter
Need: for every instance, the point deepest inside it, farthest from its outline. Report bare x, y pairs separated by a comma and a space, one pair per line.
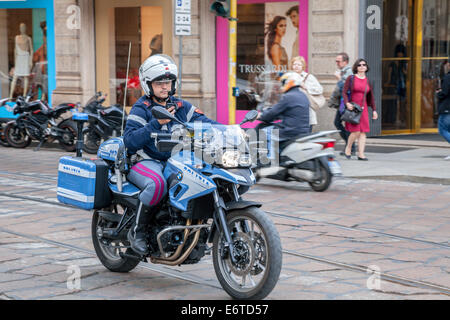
103, 123
308, 159
37, 121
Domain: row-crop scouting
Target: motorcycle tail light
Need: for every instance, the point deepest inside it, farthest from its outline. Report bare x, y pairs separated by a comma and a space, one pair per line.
326, 145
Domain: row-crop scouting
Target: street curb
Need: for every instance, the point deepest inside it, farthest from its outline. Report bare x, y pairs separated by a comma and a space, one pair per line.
413, 179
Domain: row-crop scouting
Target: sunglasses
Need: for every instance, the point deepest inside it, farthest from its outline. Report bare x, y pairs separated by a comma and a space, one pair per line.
362, 65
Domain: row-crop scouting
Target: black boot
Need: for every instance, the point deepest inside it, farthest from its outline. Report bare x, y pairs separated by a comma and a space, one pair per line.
137, 235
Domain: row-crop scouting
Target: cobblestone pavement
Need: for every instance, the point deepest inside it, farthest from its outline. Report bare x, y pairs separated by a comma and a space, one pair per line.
361, 239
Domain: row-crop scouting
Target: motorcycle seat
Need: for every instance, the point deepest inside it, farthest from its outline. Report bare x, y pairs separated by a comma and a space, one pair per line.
63, 107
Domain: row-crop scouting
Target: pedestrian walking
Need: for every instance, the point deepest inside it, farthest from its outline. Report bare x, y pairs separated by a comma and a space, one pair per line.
312, 87
444, 105
343, 72
357, 89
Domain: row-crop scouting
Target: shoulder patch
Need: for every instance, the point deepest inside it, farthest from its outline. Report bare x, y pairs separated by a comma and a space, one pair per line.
197, 110
180, 104
147, 103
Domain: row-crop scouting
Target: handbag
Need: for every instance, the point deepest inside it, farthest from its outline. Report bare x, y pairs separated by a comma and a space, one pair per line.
353, 116
316, 101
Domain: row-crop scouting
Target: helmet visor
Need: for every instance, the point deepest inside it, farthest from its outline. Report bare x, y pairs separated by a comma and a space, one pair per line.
164, 82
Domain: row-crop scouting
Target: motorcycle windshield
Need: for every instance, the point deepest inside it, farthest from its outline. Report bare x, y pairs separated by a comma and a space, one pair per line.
212, 136
224, 145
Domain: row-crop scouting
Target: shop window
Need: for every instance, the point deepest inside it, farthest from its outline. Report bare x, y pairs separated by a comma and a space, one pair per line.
23, 53
142, 26
267, 40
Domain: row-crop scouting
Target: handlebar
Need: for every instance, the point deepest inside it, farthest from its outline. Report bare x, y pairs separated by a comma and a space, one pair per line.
161, 136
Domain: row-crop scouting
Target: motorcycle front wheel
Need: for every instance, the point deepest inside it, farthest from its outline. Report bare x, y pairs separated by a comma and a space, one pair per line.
3, 140
91, 141
16, 137
257, 251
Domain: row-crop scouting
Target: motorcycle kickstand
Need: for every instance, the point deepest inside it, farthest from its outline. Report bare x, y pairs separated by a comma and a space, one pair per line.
41, 143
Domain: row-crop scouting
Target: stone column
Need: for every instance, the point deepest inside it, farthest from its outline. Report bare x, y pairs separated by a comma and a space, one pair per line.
191, 68
67, 45
87, 53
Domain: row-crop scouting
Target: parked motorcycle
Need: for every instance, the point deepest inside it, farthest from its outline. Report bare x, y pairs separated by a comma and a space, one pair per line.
6, 116
308, 159
37, 121
203, 205
3, 140
103, 123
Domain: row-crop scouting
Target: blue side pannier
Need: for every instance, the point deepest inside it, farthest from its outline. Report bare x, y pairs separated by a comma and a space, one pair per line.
83, 183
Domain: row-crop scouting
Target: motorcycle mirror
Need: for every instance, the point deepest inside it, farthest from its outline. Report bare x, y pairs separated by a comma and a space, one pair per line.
250, 116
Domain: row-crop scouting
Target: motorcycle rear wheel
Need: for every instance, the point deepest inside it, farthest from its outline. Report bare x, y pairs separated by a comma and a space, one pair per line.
258, 255
109, 254
324, 182
91, 141
68, 141
16, 137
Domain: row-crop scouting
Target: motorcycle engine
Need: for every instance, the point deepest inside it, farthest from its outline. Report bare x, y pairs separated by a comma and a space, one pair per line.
34, 131
170, 240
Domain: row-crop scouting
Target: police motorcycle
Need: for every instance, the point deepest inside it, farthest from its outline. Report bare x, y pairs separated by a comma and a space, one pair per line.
36, 120
308, 158
103, 123
203, 205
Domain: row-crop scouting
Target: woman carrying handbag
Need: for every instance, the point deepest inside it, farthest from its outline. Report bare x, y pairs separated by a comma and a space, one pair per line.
357, 89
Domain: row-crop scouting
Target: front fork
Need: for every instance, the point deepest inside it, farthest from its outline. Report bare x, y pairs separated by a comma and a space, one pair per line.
222, 225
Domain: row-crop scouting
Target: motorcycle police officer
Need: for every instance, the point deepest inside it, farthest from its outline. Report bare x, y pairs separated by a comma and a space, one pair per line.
292, 110
158, 77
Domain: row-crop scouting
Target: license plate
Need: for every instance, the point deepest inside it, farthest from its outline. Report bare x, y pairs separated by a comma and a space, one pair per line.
335, 167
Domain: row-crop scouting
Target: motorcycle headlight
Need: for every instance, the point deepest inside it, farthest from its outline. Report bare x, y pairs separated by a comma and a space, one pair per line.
230, 159
234, 159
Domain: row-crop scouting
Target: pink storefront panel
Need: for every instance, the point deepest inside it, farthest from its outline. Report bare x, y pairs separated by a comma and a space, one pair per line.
222, 56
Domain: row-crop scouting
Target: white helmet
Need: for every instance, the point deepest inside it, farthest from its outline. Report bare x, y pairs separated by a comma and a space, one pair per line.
290, 80
157, 67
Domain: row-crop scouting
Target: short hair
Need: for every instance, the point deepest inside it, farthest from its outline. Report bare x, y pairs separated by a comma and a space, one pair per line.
292, 9
344, 56
302, 61
355, 65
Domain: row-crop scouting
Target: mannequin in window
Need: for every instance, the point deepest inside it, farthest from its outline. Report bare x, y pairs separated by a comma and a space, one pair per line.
22, 59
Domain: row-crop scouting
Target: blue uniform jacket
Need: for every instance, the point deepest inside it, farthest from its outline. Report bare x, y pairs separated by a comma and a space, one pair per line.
293, 111
141, 123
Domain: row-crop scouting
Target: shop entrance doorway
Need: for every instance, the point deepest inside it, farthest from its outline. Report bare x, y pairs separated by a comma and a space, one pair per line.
416, 44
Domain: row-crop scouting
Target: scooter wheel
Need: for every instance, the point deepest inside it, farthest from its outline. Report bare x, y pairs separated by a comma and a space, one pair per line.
324, 182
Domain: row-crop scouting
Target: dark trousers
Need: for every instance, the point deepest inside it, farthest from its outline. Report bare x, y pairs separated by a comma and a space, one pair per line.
344, 133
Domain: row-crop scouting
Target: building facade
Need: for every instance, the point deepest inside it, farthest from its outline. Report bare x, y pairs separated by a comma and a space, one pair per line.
78, 47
